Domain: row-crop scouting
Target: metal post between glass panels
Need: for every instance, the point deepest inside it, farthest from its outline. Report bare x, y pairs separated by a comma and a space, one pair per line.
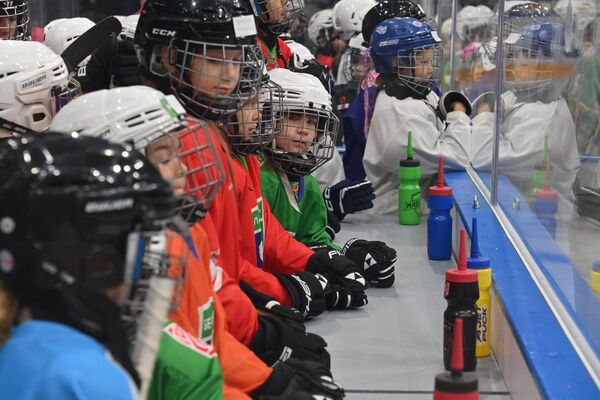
498, 100
453, 46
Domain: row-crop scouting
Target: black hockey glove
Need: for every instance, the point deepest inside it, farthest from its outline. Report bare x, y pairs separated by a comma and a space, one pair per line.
314, 68
348, 197
307, 291
280, 338
333, 225
268, 304
124, 66
293, 378
445, 103
347, 284
376, 258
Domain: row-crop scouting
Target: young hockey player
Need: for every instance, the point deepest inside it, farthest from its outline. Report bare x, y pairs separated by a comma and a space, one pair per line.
274, 17
14, 20
359, 112
34, 85
347, 19
71, 251
305, 137
407, 54
324, 38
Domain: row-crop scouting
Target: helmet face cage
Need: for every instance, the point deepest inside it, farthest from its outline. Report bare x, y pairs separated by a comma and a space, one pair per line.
186, 157
306, 140
158, 258
19, 13
212, 79
420, 69
278, 15
61, 96
354, 63
253, 127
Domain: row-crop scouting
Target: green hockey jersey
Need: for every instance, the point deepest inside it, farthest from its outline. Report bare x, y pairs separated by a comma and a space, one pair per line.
306, 220
186, 368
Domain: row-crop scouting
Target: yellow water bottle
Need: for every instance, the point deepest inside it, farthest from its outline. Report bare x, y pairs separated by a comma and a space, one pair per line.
484, 305
595, 277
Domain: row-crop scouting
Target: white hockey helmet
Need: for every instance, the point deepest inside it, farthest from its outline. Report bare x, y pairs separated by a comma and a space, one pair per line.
355, 61
151, 121
470, 18
302, 95
34, 84
59, 34
582, 11
319, 24
348, 16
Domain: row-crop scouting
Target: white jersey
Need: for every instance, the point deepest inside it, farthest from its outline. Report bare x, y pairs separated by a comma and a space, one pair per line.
388, 137
341, 77
331, 172
522, 143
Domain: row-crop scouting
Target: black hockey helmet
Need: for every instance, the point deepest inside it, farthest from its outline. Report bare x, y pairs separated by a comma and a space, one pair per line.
73, 214
190, 28
387, 9
19, 10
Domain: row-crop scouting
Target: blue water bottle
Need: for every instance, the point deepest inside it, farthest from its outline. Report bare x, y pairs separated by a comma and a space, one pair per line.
546, 204
439, 223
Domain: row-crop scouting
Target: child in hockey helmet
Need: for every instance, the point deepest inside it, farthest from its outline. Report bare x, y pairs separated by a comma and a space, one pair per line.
407, 54
85, 214
253, 126
205, 53
154, 124
14, 20
410, 51
308, 127
301, 146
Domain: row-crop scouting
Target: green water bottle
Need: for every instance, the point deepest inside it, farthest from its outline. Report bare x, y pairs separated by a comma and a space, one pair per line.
409, 191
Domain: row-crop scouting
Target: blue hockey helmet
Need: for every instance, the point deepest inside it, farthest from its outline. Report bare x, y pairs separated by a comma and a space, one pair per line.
408, 41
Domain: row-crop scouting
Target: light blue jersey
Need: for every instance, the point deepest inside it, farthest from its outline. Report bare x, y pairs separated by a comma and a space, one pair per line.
47, 360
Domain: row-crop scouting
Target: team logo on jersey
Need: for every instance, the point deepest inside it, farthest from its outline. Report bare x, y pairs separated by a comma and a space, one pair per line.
259, 228
181, 336
206, 321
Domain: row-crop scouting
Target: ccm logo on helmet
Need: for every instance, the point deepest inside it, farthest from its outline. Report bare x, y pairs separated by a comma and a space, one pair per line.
163, 32
109, 205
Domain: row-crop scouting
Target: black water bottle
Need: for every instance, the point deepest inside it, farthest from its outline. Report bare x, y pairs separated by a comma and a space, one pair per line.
461, 291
